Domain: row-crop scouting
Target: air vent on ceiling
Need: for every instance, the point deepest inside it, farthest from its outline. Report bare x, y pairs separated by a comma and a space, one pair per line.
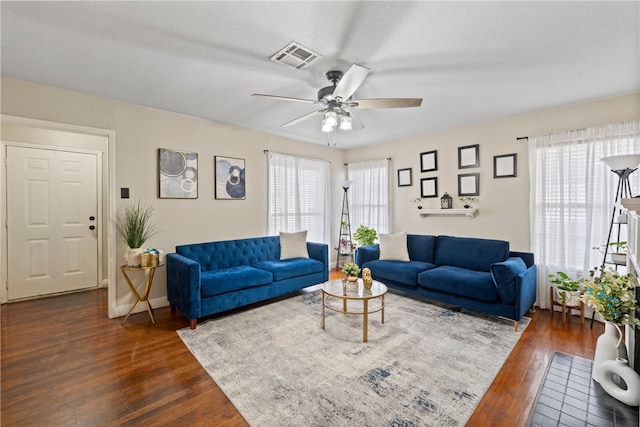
295, 56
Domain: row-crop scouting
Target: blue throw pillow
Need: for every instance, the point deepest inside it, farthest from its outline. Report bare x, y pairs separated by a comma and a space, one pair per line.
504, 276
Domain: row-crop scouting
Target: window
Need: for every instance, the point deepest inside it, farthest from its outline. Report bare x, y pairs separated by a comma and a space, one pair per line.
298, 196
572, 196
369, 195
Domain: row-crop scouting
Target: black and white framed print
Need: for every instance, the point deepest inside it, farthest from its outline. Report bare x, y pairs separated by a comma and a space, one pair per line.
404, 177
505, 166
469, 184
429, 161
177, 174
428, 187
469, 156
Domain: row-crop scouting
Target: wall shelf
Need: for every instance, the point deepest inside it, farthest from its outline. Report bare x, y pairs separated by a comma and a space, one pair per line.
470, 212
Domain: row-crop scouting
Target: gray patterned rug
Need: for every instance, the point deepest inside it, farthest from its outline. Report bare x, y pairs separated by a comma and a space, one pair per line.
425, 366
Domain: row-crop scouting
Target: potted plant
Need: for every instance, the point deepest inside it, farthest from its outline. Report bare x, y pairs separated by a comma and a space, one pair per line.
417, 201
135, 227
568, 290
351, 270
365, 236
468, 201
618, 252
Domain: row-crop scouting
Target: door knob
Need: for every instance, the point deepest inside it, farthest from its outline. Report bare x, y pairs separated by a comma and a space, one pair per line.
92, 218
92, 227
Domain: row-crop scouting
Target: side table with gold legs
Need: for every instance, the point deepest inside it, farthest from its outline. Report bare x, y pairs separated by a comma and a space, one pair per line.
147, 287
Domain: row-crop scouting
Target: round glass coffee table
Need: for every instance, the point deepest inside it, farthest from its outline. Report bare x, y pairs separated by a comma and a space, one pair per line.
353, 291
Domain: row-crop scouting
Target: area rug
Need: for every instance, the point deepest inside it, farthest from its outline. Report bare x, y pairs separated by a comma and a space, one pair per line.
427, 365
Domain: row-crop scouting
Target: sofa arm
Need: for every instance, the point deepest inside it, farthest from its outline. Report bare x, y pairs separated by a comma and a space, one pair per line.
504, 277
183, 285
367, 253
527, 257
320, 252
526, 290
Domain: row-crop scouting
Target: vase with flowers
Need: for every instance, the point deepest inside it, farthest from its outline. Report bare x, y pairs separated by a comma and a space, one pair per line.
611, 295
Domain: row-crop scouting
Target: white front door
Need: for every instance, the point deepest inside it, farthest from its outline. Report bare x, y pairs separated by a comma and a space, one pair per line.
52, 211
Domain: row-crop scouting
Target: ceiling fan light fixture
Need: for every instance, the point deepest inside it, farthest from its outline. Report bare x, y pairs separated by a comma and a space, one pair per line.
331, 118
346, 122
326, 126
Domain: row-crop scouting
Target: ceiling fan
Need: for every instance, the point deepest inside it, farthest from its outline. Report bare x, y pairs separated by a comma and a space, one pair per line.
337, 103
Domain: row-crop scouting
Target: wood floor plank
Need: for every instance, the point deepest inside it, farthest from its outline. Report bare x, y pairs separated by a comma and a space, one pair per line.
63, 363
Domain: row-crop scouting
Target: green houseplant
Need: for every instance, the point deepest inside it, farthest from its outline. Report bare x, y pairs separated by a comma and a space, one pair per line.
568, 290
612, 295
135, 227
351, 270
365, 236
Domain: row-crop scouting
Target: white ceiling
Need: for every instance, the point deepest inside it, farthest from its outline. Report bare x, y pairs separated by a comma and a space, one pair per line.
469, 61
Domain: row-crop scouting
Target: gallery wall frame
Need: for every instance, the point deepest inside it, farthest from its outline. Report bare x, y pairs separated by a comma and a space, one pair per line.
429, 161
505, 166
469, 184
469, 156
404, 177
229, 178
177, 174
428, 187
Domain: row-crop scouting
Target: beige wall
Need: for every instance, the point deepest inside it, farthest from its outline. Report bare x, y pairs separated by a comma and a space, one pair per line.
504, 203
140, 131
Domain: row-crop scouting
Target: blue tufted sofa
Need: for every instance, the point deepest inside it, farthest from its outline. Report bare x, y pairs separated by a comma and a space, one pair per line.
479, 274
209, 278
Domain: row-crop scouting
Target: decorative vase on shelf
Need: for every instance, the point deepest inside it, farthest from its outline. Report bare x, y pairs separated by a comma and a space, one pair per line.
608, 347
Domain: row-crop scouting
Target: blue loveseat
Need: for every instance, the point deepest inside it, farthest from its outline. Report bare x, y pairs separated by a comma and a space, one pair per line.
478, 274
209, 278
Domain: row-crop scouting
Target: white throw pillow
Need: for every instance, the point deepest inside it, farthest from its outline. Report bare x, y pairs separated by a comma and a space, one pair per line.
293, 245
393, 247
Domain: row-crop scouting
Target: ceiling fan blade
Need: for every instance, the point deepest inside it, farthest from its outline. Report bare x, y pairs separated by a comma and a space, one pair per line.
385, 103
350, 82
286, 98
303, 118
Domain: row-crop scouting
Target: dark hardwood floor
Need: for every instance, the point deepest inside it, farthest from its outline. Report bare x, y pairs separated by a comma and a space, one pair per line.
63, 363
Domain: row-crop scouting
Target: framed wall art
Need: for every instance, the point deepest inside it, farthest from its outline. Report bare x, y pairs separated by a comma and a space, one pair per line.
404, 177
469, 156
429, 161
177, 174
230, 178
505, 166
428, 187
469, 184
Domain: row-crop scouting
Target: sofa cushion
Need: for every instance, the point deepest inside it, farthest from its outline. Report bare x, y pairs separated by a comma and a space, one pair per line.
231, 253
462, 282
393, 247
398, 271
293, 245
288, 268
504, 277
231, 279
421, 247
466, 252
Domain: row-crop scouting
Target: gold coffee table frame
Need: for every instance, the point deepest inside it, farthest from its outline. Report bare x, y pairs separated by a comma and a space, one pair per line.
353, 291
147, 287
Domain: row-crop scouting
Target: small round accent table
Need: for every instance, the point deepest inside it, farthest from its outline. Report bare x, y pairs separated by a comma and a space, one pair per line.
336, 289
147, 287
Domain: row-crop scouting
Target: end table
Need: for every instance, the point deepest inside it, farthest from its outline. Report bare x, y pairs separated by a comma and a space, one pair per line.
144, 298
